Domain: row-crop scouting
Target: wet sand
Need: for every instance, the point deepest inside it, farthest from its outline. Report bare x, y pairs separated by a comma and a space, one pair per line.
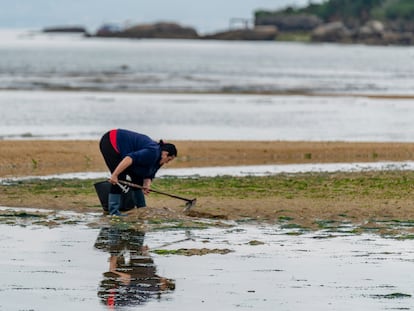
22, 158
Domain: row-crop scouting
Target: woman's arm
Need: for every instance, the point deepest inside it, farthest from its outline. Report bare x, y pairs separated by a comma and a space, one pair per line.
125, 278
122, 166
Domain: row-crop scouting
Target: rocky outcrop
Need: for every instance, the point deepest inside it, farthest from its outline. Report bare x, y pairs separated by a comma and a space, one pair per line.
65, 29
299, 22
397, 38
331, 32
373, 32
175, 31
371, 28
157, 30
262, 33
401, 25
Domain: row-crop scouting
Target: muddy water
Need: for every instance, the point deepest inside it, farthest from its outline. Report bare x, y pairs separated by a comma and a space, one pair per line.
86, 264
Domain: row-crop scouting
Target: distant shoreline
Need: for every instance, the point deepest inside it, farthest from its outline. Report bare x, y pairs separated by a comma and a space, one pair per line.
203, 92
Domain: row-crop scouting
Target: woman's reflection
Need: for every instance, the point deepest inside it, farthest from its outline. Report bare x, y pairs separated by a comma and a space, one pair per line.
132, 277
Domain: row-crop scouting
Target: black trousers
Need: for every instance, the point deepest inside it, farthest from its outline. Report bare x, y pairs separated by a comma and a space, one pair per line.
112, 160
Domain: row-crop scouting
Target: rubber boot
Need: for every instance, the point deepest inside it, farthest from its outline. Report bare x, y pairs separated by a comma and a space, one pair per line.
114, 204
139, 199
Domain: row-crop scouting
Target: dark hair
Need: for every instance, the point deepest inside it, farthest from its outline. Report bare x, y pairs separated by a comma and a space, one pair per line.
170, 148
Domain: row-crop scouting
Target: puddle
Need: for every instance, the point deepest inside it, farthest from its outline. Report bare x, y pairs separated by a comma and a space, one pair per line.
241, 171
91, 266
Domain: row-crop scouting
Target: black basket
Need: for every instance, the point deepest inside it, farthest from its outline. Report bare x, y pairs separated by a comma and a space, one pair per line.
102, 189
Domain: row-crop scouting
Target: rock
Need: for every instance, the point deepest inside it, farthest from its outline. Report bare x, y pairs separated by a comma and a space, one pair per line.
375, 33
371, 29
108, 30
66, 29
331, 32
401, 25
396, 38
258, 33
157, 30
372, 33
300, 22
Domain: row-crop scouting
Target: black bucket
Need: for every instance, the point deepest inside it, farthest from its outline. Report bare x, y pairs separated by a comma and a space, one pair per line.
102, 189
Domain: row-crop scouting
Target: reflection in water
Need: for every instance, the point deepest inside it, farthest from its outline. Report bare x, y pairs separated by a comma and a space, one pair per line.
131, 278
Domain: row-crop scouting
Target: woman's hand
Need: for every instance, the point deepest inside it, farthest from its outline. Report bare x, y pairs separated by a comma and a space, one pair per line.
147, 186
126, 162
113, 179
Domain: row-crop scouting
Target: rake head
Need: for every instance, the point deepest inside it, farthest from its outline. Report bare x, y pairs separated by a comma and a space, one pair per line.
190, 204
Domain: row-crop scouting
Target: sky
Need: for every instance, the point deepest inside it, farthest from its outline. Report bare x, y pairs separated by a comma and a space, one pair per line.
204, 16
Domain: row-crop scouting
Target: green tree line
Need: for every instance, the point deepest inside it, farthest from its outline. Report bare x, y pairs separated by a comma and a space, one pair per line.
352, 11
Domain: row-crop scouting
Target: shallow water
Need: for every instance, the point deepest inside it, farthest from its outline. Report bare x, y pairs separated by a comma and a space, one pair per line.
240, 171
70, 87
87, 115
34, 61
268, 268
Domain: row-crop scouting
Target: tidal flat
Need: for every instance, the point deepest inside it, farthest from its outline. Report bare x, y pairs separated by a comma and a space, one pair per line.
379, 201
327, 241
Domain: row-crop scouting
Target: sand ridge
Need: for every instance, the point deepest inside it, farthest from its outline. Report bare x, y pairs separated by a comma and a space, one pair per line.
44, 157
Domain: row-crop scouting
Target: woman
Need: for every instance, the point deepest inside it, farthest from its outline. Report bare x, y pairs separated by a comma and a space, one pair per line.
136, 155
132, 277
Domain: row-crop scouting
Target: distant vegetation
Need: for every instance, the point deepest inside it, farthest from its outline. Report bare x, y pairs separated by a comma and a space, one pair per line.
378, 22
374, 22
352, 11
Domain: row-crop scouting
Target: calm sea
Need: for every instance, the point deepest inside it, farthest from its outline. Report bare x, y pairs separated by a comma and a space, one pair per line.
71, 87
